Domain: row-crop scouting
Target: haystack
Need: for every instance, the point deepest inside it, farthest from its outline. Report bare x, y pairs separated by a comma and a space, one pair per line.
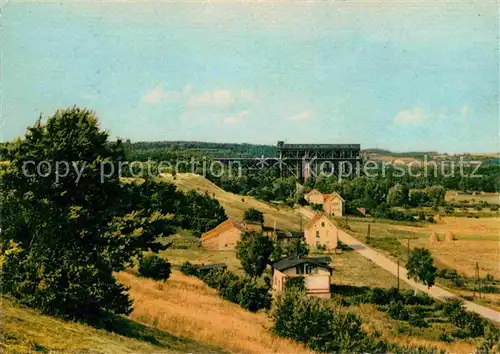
434, 237
450, 236
437, 217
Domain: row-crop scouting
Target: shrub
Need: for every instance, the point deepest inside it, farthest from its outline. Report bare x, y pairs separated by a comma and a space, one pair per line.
398, 311
297, 283
317, 207
470, 323
418, 321
242, 291
254, 298
154, 267
188, 269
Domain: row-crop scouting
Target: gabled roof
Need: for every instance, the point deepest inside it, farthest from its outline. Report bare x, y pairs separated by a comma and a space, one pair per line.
332, 196
317, 217
226, 225
290, 262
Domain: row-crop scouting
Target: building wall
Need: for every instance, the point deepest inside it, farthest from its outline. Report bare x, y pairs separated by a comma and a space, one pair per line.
314, 197
334, 206
323, 232
278, 281
225, 240
316, 284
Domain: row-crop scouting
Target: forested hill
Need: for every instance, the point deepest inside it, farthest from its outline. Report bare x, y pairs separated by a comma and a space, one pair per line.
205, 148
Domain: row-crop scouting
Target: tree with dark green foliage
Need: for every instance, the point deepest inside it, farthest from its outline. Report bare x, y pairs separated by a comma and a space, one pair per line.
254, 251
154, 267
253, 216
397, 195
296, 247
421, 267
63, 235
252, 297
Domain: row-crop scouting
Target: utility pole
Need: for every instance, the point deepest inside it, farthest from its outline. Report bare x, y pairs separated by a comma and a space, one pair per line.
408, 250
368, 234
477, 284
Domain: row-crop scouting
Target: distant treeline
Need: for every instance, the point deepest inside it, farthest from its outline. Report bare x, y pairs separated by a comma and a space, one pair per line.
198, 148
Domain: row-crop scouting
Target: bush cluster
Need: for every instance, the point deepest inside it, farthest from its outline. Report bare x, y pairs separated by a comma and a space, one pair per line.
154, 267
240, 290
379, 296
471, 324
326, 328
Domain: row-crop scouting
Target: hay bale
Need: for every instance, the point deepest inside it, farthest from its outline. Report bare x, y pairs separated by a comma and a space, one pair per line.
434, 237
450, 236
437, 217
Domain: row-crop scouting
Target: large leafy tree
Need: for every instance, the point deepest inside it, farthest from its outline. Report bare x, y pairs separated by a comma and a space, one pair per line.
67, 221
420, 266
254, 251
254, 216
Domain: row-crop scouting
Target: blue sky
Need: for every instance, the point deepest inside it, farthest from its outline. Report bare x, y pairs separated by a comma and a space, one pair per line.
414, 76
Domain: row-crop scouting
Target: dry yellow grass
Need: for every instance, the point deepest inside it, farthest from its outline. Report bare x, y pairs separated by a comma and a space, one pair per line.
351, 268
185, 306
25, 330
477, 240
286, 218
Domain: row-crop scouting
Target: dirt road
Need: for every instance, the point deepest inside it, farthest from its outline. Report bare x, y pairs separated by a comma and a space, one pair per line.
392, 267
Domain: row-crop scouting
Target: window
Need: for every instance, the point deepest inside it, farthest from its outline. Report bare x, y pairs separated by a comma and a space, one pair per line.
318, 238
322, 224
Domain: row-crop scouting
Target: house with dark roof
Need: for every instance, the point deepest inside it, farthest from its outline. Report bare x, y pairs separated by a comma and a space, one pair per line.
316, 272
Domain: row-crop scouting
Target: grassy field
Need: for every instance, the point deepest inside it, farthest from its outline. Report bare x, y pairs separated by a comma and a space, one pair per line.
454, 197
27, 331
286, 218
477, 241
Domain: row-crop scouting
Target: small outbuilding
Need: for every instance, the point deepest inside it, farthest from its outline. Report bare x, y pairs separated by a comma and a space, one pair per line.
316, 272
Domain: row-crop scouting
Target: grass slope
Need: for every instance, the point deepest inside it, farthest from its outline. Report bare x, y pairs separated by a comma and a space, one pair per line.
27, 331
185, 306
286, 218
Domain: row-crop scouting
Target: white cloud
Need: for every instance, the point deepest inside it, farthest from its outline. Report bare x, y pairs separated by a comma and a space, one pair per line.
415, 115
237, 118
245, 95
304, 115
220, 98
90, 96
158, 94
217, 98
464, 111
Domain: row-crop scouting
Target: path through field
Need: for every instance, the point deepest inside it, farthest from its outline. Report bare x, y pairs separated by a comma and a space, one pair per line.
392, 267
